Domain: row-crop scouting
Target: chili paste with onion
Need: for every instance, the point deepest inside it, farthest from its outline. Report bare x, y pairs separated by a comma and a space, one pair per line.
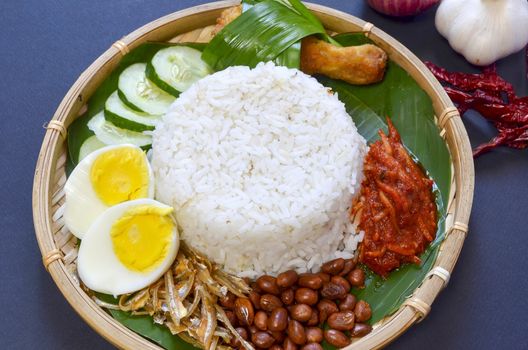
396, 208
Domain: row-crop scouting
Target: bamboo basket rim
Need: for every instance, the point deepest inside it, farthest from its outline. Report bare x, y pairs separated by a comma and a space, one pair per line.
52, 157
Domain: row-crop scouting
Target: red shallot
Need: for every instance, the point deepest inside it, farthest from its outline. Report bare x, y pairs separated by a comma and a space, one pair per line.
399, 8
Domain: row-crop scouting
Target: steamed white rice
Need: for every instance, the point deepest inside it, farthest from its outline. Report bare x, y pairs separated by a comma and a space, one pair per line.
261, 166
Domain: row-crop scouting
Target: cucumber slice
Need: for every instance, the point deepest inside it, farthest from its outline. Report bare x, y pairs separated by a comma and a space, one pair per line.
121, 116
123, 98
176, 68
110, 134
91, 144
136, 91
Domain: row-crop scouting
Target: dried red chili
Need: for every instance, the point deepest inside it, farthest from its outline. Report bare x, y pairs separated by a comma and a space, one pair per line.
505, 137
484, 93
491, 107
488, 80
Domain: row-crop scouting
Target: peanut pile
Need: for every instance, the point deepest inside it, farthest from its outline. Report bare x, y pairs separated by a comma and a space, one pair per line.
288, 311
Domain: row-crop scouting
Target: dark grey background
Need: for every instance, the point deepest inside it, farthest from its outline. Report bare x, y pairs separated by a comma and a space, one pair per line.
45, 45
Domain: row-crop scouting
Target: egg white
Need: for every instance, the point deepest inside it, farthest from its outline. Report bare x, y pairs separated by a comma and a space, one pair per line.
82, 204
98, 266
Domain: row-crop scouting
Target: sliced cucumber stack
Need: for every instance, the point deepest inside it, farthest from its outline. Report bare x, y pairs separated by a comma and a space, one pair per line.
124, 117
139, 93
110, 134
175, 68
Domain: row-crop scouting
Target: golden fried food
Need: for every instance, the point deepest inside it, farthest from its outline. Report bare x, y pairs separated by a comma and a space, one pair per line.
358, 65
227, 16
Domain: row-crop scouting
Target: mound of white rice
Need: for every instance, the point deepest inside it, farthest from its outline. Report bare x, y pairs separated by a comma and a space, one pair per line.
261, 166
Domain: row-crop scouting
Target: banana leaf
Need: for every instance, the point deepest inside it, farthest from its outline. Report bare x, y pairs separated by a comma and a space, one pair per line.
352, 39
78, 131
295, 5
367, 121
291, 57
261, 33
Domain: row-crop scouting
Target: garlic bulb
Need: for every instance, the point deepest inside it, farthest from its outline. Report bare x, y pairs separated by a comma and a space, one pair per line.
484, 30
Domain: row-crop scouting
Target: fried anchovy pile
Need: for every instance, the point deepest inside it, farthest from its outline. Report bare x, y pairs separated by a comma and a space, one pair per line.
185, 300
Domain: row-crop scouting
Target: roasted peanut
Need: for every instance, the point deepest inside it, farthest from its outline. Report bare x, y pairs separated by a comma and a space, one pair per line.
244, 311
269, 302
301, 312
310, 280
228, 302
333, 267
333, 291
348, 303
231, 317
243, 333
306, 296
362, 311
296, 332
342, 321
314, 320
342, 281
324, 276
268, 284
326, 308
360, 330
261, 320
289, 344
287, 279
288, 296
278, 320
255, 299
252, 329
262, 340
349, 265
279, 336
312, 346
255, 287
314, 334
275, 347
356, 277
336, 338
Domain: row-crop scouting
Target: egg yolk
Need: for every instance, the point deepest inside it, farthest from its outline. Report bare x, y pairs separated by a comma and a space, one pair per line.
142, 236
119, 175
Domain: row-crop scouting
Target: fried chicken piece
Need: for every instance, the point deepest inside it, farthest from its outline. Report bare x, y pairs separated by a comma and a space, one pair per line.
358, 65
227, 16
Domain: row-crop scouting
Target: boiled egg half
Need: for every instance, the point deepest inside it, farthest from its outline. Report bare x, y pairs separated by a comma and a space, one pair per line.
106, 177
128, 247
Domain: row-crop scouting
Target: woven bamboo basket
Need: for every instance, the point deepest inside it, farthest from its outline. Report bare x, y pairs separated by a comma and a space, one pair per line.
58, 246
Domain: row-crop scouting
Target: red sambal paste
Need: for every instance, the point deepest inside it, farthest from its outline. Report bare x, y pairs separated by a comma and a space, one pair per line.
397, 207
